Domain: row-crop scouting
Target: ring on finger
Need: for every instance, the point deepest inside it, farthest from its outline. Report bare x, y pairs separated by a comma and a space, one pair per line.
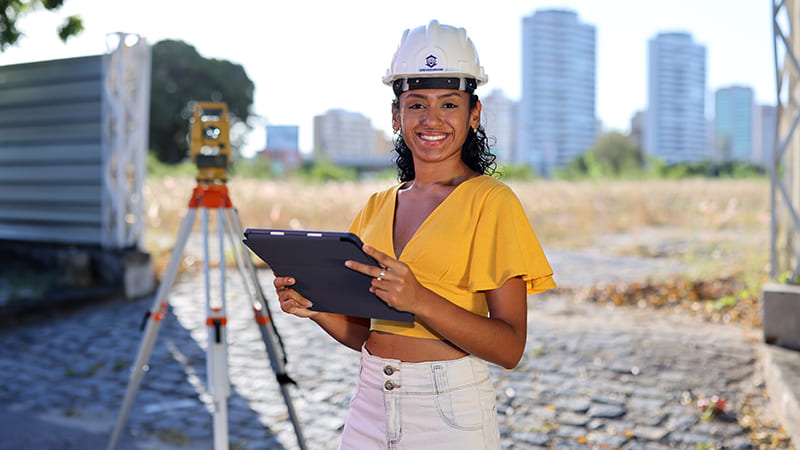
381, 275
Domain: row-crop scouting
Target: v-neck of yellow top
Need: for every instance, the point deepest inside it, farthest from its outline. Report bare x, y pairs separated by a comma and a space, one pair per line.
433, 213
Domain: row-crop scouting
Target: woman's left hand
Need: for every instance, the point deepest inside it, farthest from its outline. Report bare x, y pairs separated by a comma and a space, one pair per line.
392, 281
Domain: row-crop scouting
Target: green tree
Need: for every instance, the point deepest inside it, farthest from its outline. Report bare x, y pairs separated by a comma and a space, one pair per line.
12, 10
612, 155
181, 76
616, 154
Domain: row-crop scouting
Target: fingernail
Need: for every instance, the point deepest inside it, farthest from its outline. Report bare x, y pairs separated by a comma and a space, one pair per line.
348, 263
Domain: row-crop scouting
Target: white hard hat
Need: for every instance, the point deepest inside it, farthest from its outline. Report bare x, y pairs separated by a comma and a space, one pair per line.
435, 57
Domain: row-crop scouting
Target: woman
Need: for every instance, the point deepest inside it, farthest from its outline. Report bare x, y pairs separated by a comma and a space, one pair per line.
455, 249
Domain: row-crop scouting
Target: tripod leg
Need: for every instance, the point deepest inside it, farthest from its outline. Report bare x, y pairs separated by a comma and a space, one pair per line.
155, 316
269, 335
217, 358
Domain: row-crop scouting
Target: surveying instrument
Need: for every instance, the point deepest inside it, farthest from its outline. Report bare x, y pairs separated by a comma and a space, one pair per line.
210, 151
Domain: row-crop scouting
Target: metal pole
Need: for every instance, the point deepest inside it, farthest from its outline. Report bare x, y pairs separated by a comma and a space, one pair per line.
217, 358
155, 316
262, 316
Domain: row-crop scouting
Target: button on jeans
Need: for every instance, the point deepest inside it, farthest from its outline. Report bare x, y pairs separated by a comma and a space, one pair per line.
428, 405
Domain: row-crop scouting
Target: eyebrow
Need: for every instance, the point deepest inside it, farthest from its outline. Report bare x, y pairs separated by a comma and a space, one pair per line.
451, 94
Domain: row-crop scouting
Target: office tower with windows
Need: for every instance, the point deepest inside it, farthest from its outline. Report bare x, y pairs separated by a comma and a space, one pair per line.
348, 139
675, 129
499, 118
557, 118
765, 121
733, 124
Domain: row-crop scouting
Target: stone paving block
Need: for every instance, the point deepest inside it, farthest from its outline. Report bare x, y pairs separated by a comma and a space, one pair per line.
609, 399
718, 428
606, 440
619, 426
648, 446
572, 419
679, 423
570, 432
577, 405
530, 437
648, 418
606, 411
650, 433
691, 438
645, 404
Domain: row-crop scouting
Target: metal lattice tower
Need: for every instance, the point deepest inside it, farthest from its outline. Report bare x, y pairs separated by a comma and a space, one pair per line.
126, 108
785, 165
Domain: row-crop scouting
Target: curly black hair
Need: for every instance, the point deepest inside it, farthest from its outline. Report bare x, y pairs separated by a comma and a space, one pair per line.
476, 152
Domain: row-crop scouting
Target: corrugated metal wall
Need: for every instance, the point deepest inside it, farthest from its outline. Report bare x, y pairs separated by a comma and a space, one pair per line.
50, 151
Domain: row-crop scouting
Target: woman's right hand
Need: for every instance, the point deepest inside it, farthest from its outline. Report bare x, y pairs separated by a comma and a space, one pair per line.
291, 301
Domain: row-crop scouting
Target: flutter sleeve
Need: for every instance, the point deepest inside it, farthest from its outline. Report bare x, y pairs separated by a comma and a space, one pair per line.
505, 246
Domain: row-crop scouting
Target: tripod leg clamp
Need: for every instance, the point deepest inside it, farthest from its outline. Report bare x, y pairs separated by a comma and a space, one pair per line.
283, 378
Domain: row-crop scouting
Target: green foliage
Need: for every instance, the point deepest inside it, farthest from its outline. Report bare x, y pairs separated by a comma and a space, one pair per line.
613, 156
726, 301
730, 169
326, 171
262, 169
72, 26
258, 168
158, 169
515, 172
181, 76
389, 174
12, 10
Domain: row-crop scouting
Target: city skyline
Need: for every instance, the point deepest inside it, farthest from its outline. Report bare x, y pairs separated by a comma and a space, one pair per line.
320, 64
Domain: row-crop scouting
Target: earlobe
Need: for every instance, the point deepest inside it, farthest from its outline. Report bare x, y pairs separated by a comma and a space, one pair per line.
395, 120
475, 124
476, 115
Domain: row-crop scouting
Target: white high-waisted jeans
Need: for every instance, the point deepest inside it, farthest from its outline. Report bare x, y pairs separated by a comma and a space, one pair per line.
428, 405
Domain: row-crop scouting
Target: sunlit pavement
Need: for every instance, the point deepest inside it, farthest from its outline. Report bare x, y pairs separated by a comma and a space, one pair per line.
590, 378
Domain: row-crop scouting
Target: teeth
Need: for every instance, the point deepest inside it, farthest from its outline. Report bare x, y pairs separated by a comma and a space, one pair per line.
436, 137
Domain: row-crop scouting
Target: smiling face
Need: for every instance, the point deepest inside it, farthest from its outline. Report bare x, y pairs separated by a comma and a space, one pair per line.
435, 123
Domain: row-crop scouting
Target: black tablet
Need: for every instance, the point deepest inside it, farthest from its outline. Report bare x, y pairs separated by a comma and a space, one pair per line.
315, 259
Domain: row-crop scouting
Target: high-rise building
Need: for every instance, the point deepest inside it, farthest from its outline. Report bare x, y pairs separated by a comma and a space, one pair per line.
637, 128
499, 119
348, 139
283, 148
765, 122
557, 120
733, 124
675, 129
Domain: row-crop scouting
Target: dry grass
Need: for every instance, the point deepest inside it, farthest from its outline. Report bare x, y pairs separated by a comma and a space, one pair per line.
577, 214
564, 214
721, 224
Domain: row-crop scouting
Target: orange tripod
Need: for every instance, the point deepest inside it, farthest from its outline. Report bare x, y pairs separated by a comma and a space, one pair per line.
211, 196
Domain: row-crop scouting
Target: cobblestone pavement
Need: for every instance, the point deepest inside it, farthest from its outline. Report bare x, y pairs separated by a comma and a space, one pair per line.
590, 378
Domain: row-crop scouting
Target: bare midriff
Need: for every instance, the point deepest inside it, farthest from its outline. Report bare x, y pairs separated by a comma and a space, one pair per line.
411, 349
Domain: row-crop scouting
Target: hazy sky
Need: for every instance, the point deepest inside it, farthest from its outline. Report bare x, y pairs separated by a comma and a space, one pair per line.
306, 57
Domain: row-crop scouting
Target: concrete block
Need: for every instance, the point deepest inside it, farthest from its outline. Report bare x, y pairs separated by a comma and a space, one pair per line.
138, 278
782, 376
781, 320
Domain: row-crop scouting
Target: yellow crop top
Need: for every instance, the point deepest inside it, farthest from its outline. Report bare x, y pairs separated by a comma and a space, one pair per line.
474, 241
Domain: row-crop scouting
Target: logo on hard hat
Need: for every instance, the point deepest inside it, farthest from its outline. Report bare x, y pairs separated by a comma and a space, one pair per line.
430, 61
